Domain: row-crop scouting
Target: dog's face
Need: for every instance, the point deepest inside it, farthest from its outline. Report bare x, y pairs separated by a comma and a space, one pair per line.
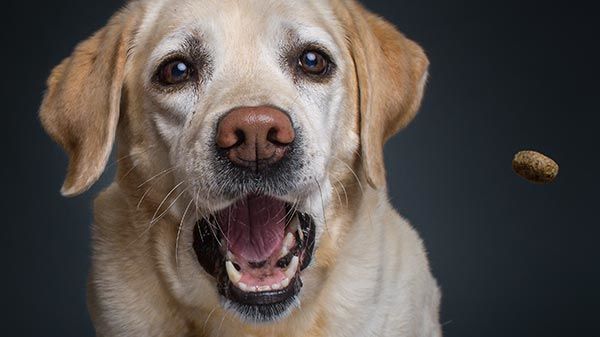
248, 102
250, 112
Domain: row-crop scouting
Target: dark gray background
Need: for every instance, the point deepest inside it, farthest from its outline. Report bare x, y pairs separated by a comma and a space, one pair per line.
513, 259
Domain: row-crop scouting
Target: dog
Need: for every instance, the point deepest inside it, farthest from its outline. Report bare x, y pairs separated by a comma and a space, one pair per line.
250, 194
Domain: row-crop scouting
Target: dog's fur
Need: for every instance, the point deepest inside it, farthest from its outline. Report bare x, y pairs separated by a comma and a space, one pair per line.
370, 275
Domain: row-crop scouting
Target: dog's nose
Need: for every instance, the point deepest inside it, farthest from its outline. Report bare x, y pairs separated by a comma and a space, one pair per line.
255, 137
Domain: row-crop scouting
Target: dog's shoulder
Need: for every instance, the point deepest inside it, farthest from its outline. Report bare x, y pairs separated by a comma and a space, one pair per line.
408, 284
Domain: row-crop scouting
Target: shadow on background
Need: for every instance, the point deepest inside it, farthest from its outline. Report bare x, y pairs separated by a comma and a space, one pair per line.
512, 258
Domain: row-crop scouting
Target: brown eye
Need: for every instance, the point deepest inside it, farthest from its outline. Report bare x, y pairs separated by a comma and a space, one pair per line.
175, 72
313, 63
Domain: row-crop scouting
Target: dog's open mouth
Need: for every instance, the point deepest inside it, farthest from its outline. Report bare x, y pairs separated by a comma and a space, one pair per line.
256, 249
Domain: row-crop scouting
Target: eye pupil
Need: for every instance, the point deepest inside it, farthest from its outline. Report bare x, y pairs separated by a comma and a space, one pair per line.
174, 72
313, 63
180, 69
311, 59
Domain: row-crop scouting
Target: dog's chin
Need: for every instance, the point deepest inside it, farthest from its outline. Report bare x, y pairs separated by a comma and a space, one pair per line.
256, 250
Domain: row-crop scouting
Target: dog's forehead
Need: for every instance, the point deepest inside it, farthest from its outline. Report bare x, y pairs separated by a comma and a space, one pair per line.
238, 21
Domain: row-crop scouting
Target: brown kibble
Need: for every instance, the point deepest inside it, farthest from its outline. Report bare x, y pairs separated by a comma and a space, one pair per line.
535, 167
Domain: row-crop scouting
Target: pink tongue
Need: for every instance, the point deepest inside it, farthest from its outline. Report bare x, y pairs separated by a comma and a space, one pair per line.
254, 227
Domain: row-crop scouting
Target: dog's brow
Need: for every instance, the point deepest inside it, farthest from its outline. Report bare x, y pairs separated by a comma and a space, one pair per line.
312, 35
185, 42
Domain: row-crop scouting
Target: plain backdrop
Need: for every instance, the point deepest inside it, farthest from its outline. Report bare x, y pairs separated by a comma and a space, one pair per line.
512, 258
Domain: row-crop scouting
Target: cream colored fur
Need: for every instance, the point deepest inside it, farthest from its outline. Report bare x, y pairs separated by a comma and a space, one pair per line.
370, 275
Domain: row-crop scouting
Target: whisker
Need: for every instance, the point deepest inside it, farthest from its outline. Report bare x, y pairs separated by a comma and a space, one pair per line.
165, 199
343, 189
179, 234
323, 207
118, 160
221, 325
142, 197
211, 225
292, 210
165, 171
336, 191
353, 173
208, 318
133, 167
362, 191
152, 221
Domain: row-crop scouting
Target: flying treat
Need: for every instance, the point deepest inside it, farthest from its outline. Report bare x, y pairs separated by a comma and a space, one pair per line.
535, 167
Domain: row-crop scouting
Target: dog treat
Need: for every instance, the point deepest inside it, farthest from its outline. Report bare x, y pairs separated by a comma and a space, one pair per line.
535, 167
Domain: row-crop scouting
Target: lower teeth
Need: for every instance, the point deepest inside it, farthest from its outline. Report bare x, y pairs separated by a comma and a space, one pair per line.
235, 277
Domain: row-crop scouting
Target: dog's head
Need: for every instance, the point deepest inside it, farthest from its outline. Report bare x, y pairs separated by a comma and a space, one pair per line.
243, 127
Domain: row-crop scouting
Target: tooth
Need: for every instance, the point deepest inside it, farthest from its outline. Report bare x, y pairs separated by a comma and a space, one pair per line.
292, 267
284, 251
288, 243
234, 275
285, 283
295, 227
229, 255
294, 224
243, 287
276, 286
263, 288
289, 240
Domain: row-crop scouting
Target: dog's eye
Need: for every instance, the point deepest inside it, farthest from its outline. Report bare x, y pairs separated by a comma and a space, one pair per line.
175, 72
313, 62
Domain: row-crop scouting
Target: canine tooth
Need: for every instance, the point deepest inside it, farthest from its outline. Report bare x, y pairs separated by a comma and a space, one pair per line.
234, 275
293, 266
294, 224
285, 283
289, 240
288, 243
243, 286
229, 255
284, 251
300, 234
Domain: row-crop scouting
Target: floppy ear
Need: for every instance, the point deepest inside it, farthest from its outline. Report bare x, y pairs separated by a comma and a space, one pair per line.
80, 109
391, 72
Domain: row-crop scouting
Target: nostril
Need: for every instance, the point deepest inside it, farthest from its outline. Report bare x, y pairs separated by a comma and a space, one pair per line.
241, 137
229, 139
272, 136
277, 137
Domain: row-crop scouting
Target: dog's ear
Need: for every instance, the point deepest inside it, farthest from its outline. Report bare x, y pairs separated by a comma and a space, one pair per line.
391, 73
80, 109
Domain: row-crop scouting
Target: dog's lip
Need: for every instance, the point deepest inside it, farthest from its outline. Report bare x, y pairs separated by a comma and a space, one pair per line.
264, 298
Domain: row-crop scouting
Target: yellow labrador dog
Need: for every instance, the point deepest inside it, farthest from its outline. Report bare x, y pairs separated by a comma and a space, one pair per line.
250, 194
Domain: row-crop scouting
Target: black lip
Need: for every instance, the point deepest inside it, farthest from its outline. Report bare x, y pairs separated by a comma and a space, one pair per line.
265, 306
263, 298
260, 306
